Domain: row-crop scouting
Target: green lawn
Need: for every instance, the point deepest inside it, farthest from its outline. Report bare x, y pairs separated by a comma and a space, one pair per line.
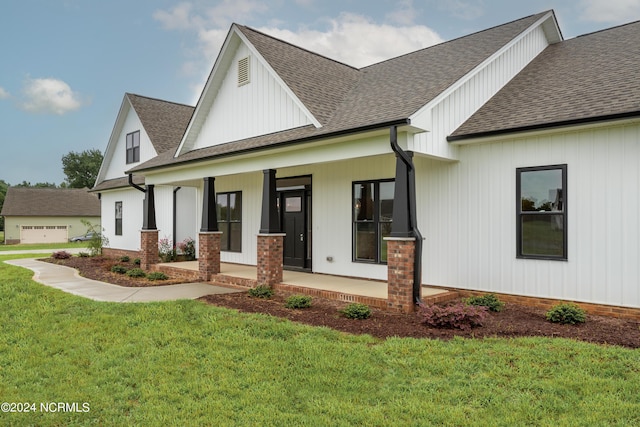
40, 246
186, 363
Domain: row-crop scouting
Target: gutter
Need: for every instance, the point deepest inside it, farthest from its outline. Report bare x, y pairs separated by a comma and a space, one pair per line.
136, 186
413, 226
543, 126
378, 126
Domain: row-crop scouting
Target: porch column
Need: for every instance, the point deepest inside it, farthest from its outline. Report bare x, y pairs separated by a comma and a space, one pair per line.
400, 271
209, 236
270, 239
149, 232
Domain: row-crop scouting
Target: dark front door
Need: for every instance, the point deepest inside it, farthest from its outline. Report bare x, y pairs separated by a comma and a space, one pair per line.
293, 204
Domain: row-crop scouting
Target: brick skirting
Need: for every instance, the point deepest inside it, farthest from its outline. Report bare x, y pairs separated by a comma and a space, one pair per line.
117, 253
176, 272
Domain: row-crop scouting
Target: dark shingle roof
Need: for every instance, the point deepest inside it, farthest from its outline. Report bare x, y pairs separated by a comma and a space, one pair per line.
21, 201
343, 98
110, 184
164, 121
585, 78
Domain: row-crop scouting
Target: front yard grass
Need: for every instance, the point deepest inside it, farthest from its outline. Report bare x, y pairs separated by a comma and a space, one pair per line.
38, 246
188, 363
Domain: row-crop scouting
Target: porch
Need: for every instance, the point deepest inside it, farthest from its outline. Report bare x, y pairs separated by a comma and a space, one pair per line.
371, 292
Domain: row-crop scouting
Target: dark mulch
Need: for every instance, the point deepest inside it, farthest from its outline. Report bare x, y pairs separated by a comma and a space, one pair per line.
514, 321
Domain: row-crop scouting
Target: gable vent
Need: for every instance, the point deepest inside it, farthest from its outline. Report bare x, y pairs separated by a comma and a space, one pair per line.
243, 71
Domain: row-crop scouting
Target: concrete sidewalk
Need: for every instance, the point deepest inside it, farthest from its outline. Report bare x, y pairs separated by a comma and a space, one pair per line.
67, 279
43, 251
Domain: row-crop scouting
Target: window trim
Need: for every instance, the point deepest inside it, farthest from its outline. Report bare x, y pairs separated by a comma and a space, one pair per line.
135, 154
118, 204
376, 220
520, 214
228, 221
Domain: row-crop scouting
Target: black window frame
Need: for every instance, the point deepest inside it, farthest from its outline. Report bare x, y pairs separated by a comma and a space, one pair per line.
376, 221
133, 147
226, 240
118, 218
520, 214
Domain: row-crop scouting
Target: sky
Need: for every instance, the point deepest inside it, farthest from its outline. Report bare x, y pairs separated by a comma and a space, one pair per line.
65, 65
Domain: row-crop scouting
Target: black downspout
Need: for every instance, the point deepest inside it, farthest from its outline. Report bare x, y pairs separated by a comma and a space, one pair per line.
175, 209
137, 187
408, 196
149, 205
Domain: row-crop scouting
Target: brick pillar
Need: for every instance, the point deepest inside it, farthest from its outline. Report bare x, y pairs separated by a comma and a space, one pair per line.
209, 254
400, 263
270, 247
148, 248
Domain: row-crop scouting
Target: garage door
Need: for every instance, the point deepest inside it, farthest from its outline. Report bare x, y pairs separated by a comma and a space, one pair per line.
43, 234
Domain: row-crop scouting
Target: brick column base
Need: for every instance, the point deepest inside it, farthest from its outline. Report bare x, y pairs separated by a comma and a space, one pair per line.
209, 254
400, 264
148, 248
270, 252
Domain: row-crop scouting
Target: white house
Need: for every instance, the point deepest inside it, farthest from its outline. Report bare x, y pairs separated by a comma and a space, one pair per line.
507, 160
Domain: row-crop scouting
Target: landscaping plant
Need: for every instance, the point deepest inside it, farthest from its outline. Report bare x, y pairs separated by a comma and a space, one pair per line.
356, 311
98, 241
298, 301
457, 315
136, 272
188, 248
120, 269
166, 250
261, 291
61, 255
489, 300
157, 275
567, 313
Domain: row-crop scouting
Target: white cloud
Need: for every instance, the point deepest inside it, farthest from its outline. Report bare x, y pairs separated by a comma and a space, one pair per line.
610, 11
176, 19
3, 93
49, 96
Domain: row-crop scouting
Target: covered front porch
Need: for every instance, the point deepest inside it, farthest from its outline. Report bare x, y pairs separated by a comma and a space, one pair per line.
371, 292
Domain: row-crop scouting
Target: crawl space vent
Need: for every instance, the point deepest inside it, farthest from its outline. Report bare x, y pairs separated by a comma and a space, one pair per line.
243, 71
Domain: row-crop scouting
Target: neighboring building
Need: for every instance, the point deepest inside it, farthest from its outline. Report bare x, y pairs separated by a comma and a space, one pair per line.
515, 153
47, 215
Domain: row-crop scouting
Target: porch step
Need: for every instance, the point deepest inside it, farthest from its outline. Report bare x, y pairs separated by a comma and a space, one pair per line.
182, 273
440, 297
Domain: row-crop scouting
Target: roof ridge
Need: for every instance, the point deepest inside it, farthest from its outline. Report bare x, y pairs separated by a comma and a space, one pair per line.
297, 47
606, 29
458, 38
151, 98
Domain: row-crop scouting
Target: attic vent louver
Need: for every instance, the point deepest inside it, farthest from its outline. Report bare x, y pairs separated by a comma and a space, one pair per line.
243, 71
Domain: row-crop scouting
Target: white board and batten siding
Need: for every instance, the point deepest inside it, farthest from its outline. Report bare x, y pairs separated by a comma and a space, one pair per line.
449, 112
132, 206
467, 214
118, 161
259, 107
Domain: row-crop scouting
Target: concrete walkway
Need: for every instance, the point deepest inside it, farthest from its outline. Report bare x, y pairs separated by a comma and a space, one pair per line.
67, 279
43, 251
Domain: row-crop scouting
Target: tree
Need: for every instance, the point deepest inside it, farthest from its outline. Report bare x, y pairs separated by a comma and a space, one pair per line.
82, 168
3, 192
36, 185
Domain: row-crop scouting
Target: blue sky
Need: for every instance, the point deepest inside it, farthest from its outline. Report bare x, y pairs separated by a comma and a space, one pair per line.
66, 64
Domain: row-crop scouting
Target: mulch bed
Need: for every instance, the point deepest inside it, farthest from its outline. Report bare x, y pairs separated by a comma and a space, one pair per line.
514, 321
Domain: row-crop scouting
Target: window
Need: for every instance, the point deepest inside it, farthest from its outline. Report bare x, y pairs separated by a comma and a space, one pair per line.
542, 212
229, 210
372, 215
118, 218
133, 147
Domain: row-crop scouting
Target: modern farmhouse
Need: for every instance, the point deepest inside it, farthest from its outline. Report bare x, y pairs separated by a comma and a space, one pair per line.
505, 161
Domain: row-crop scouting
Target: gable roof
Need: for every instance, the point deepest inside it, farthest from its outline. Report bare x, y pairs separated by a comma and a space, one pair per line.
591, 77
20, 201
345, 99
164, 121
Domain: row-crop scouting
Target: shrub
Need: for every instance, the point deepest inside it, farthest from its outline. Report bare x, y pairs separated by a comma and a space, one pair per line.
98, 241
356, 311
157, 275
136, 272
298, 301
61, 255
458, 315
188, 248
490, 301
136, 261
261, 291
567, 313
124, 258
166, 250
119, 269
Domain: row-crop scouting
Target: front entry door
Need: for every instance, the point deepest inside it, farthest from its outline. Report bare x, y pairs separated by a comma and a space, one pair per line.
293, 205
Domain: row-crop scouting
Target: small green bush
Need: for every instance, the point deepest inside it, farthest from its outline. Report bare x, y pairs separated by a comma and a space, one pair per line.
490, 301
356, 311
136, 261
298, 301
136, 272
120, 269
567, 313
458, 315
157, 275
124, 258
261, 291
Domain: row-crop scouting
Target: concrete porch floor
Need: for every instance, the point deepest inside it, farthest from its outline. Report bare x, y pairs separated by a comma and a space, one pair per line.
339, 284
